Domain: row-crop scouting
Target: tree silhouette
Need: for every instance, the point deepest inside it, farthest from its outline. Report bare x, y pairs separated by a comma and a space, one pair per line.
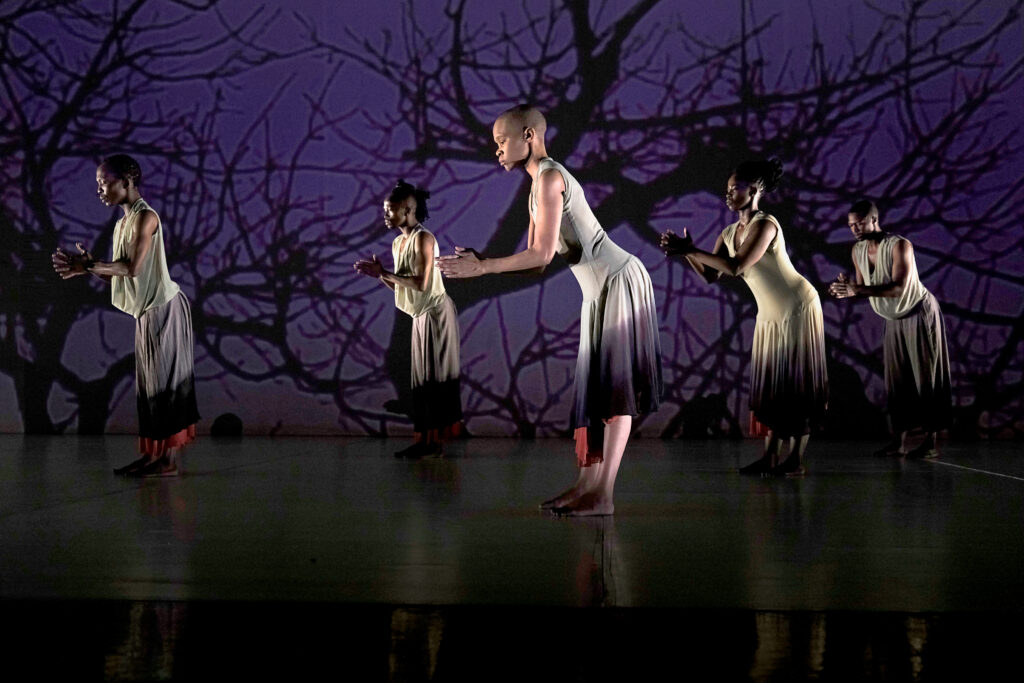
270, 189
651, 117
256, 252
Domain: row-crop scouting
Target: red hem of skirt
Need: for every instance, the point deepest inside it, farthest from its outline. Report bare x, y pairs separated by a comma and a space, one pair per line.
757, 428
158, 447
440, 435
584, 456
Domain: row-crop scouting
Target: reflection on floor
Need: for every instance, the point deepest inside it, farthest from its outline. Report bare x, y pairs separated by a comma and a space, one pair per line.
317, 557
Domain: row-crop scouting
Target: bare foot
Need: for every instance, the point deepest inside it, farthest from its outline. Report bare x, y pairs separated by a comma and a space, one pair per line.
760, 466
588, 505
132, 466
433, 451
417, 450
890, 449
925, 450
562, 499
791, 467
584, 482
165, 466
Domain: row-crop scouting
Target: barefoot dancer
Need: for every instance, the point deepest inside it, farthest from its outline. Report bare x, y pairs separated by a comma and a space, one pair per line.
788, 381
141, 286
618, 371
419, 291
914, 348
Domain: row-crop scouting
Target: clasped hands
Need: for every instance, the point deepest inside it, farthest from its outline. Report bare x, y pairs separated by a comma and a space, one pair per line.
673, 244
371, 267
842, 288
69, 265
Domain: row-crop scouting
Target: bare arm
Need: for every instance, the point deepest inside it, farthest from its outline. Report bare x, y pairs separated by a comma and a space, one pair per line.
759, 235
902, 262
542, 239
372, 267
72, 265
682, 245
138, 249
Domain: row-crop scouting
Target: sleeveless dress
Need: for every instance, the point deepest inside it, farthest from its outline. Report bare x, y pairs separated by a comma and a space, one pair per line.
618, 369
914, 352
788, 379
164, 378
436, 395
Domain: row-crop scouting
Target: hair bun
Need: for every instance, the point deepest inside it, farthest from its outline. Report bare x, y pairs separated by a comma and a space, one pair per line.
772, 173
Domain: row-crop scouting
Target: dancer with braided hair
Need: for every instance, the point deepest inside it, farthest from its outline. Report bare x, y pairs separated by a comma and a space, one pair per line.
141, 286
420, 293
788, 380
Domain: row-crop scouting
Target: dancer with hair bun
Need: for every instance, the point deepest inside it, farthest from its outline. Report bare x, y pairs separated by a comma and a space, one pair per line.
788, 379
141, 286
419, 292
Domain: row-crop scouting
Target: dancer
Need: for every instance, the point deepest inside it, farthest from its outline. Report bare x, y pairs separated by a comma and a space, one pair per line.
618, 369
141, 286
419, 291
914, 350
788, 380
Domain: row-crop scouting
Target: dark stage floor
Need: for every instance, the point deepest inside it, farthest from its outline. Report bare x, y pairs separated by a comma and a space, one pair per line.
330, 558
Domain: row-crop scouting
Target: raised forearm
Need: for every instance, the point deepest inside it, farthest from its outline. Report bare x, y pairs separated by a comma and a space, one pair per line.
531, 260
412, 282
708, 273
887, 290
717, 262
107, 270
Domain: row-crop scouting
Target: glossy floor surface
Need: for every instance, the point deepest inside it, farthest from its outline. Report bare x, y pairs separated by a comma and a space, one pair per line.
880, 559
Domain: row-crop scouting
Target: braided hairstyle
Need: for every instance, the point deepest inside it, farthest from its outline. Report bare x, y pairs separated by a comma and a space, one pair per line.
765, 173
404, 190
124, 167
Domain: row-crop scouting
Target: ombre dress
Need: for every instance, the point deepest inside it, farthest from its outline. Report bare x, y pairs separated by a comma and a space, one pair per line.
618, 369
915, 355
164, 378
436, 399
788, 379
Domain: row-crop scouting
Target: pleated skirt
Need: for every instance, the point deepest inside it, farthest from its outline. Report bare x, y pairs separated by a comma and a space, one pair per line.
164, 377
436, 395
618, 369
788, 376
916, 362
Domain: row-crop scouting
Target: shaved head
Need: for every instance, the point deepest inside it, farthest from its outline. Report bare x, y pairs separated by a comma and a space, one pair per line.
525, 116
864, 208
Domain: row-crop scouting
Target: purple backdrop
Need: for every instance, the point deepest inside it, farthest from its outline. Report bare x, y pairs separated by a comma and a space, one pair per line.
269, 138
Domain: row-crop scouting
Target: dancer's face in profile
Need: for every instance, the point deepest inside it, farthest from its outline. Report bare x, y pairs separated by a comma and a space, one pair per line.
110, 189
861, 226
739, 194
400, 214
512, 142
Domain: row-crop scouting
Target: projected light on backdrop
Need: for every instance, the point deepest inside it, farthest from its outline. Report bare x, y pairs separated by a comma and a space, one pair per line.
270, 137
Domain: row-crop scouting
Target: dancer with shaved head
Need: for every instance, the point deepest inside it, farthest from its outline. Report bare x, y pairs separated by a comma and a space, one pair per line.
618, 369
141, 286
916, 360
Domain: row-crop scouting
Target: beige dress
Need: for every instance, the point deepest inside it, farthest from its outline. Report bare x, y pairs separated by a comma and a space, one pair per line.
436, 395
788, 379
618, 367
914, 351
164, 378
